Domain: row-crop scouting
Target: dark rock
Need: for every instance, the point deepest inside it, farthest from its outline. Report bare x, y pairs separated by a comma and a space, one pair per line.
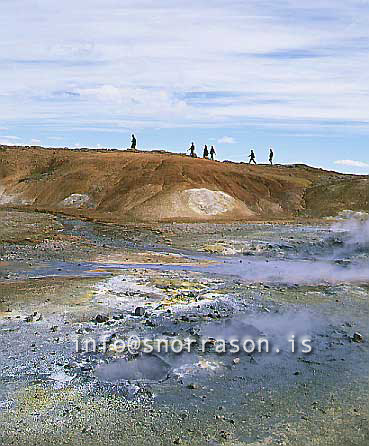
150, 323
36, 316
357, 337
225, 435
193, 386
139, 311
100, 319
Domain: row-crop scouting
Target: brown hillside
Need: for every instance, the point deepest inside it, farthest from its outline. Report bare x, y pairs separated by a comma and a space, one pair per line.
151, 186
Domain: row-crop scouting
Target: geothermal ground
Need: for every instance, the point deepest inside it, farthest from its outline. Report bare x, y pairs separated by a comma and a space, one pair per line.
64, 281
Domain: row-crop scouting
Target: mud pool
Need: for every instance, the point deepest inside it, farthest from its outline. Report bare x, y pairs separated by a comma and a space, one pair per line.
71, 282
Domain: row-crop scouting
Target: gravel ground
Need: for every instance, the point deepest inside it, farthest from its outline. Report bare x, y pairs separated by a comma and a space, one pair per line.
64, 281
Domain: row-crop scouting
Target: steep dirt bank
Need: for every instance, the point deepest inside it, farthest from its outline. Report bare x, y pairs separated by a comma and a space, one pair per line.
336, 195
123, 186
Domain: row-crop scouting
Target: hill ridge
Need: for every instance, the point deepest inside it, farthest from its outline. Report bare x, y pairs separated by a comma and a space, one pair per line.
148, 186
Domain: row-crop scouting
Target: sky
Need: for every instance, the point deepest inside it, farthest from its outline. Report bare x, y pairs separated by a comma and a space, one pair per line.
236, 74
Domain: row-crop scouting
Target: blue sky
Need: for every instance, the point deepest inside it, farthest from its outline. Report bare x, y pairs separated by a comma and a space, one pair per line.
289, 74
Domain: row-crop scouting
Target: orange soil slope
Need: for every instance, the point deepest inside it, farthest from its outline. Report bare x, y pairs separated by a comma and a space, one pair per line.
122, 186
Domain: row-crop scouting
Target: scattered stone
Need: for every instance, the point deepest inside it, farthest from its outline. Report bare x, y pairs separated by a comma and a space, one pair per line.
357, 337
36, 316
193, 386
139, 311
236, 361
225, 435
100, 319
150, 323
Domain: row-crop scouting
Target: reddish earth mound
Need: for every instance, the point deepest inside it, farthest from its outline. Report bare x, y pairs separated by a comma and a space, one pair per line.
150, 186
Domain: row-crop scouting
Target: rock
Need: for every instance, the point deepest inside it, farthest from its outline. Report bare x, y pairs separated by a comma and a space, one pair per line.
236, 361
77, 201
224, 434
139, 311
100, 319
36, 316
150, 323
193, 386
357, 337
219, 417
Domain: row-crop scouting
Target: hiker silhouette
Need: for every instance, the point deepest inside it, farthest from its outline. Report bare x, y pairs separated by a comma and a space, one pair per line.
252, 157
192, 150
133, 142
271, 155
206, 151
212, 152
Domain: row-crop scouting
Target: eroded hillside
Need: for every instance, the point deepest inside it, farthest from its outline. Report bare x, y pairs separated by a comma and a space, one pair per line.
150, 186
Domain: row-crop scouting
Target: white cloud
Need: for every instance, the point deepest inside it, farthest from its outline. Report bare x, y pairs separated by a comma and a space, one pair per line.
226, 140
10, 140
135, 101
352, 163
270, 63
7, 142
10, 137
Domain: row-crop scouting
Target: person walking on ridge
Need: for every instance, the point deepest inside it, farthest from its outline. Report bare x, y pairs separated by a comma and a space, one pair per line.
252, 157
206, 152
271, 155
192, 150
212, 152
133, 142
